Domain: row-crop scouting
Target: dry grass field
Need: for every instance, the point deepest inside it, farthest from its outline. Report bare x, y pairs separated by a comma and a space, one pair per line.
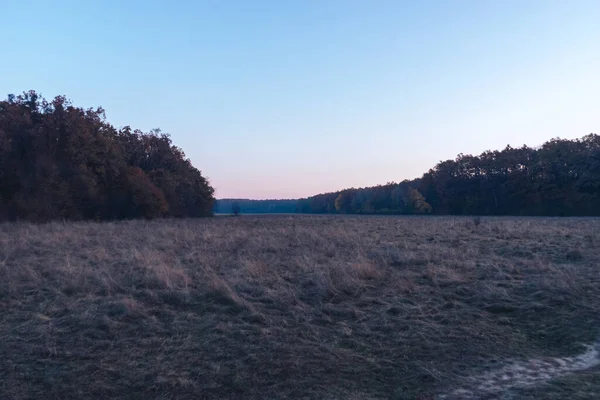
297, 307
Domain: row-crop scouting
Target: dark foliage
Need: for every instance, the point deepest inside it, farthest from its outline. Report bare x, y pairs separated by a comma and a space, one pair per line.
562, 177
58, 161
392, 198
235, 209
247, 206
559, 178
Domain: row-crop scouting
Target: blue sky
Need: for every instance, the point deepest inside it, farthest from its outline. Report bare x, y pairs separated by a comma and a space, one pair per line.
282, 98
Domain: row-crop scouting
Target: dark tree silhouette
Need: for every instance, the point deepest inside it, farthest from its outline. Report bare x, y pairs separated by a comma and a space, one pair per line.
61, 161
236, 209
561, 177
248, 206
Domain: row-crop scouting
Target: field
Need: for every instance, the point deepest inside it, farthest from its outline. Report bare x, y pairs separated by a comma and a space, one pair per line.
300, 307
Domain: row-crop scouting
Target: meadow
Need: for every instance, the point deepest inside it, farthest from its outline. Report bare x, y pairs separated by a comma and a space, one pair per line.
298, 307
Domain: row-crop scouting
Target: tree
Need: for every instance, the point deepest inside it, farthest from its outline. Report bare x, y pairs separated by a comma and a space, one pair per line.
418, 203
343, 202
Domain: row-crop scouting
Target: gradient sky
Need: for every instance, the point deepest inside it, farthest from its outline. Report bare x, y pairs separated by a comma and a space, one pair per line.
282, 98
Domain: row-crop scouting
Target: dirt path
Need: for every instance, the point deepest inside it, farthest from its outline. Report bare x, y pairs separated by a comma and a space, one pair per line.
498, 383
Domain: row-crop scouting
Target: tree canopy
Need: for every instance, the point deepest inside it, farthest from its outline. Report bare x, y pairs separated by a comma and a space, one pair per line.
247, 206
58, 161
559, 178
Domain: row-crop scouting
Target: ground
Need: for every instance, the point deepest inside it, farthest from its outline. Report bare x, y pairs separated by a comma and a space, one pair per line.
295, 307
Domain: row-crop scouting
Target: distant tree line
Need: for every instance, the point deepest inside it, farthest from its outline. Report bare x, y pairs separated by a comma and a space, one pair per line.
58, 161
392, 198
247, 206
559, 178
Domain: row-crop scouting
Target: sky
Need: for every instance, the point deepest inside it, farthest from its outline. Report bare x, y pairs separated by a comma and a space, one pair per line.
290, 98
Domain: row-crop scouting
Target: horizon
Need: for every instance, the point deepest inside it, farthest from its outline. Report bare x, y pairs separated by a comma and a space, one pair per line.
286, 101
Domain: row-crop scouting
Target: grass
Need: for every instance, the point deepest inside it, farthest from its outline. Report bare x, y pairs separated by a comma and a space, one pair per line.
295, 307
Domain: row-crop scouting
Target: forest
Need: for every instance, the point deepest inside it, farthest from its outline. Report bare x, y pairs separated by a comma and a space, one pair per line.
58, 161
559, 178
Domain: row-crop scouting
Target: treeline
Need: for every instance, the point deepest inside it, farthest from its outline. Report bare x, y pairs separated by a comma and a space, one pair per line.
58, 161
392, 198
247, 206
559, 178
